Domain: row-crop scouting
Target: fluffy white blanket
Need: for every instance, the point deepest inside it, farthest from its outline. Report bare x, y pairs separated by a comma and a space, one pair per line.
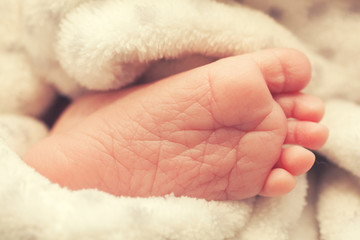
72, 46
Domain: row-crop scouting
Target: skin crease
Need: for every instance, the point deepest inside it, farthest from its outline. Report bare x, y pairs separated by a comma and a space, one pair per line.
215, 132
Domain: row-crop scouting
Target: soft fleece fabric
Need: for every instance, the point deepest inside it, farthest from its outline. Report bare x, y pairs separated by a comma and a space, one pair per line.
72, 46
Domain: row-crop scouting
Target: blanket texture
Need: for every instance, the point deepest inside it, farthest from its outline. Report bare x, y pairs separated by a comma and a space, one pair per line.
69, 47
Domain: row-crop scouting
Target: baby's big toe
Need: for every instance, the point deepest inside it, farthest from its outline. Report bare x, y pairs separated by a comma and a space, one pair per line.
242, 86
285, 70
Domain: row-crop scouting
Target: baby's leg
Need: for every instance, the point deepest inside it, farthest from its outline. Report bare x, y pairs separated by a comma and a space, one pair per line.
215, 132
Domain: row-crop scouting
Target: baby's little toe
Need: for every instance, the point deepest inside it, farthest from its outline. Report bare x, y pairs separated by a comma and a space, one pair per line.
278, 183
296, 160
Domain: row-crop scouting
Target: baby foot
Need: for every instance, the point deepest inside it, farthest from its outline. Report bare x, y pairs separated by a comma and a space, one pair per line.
216, 132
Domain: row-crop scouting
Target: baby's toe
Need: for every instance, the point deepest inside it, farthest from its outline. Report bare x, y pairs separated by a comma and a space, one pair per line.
243, 84
285, 70
307, 134
301, 106
296, 160
278, 183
